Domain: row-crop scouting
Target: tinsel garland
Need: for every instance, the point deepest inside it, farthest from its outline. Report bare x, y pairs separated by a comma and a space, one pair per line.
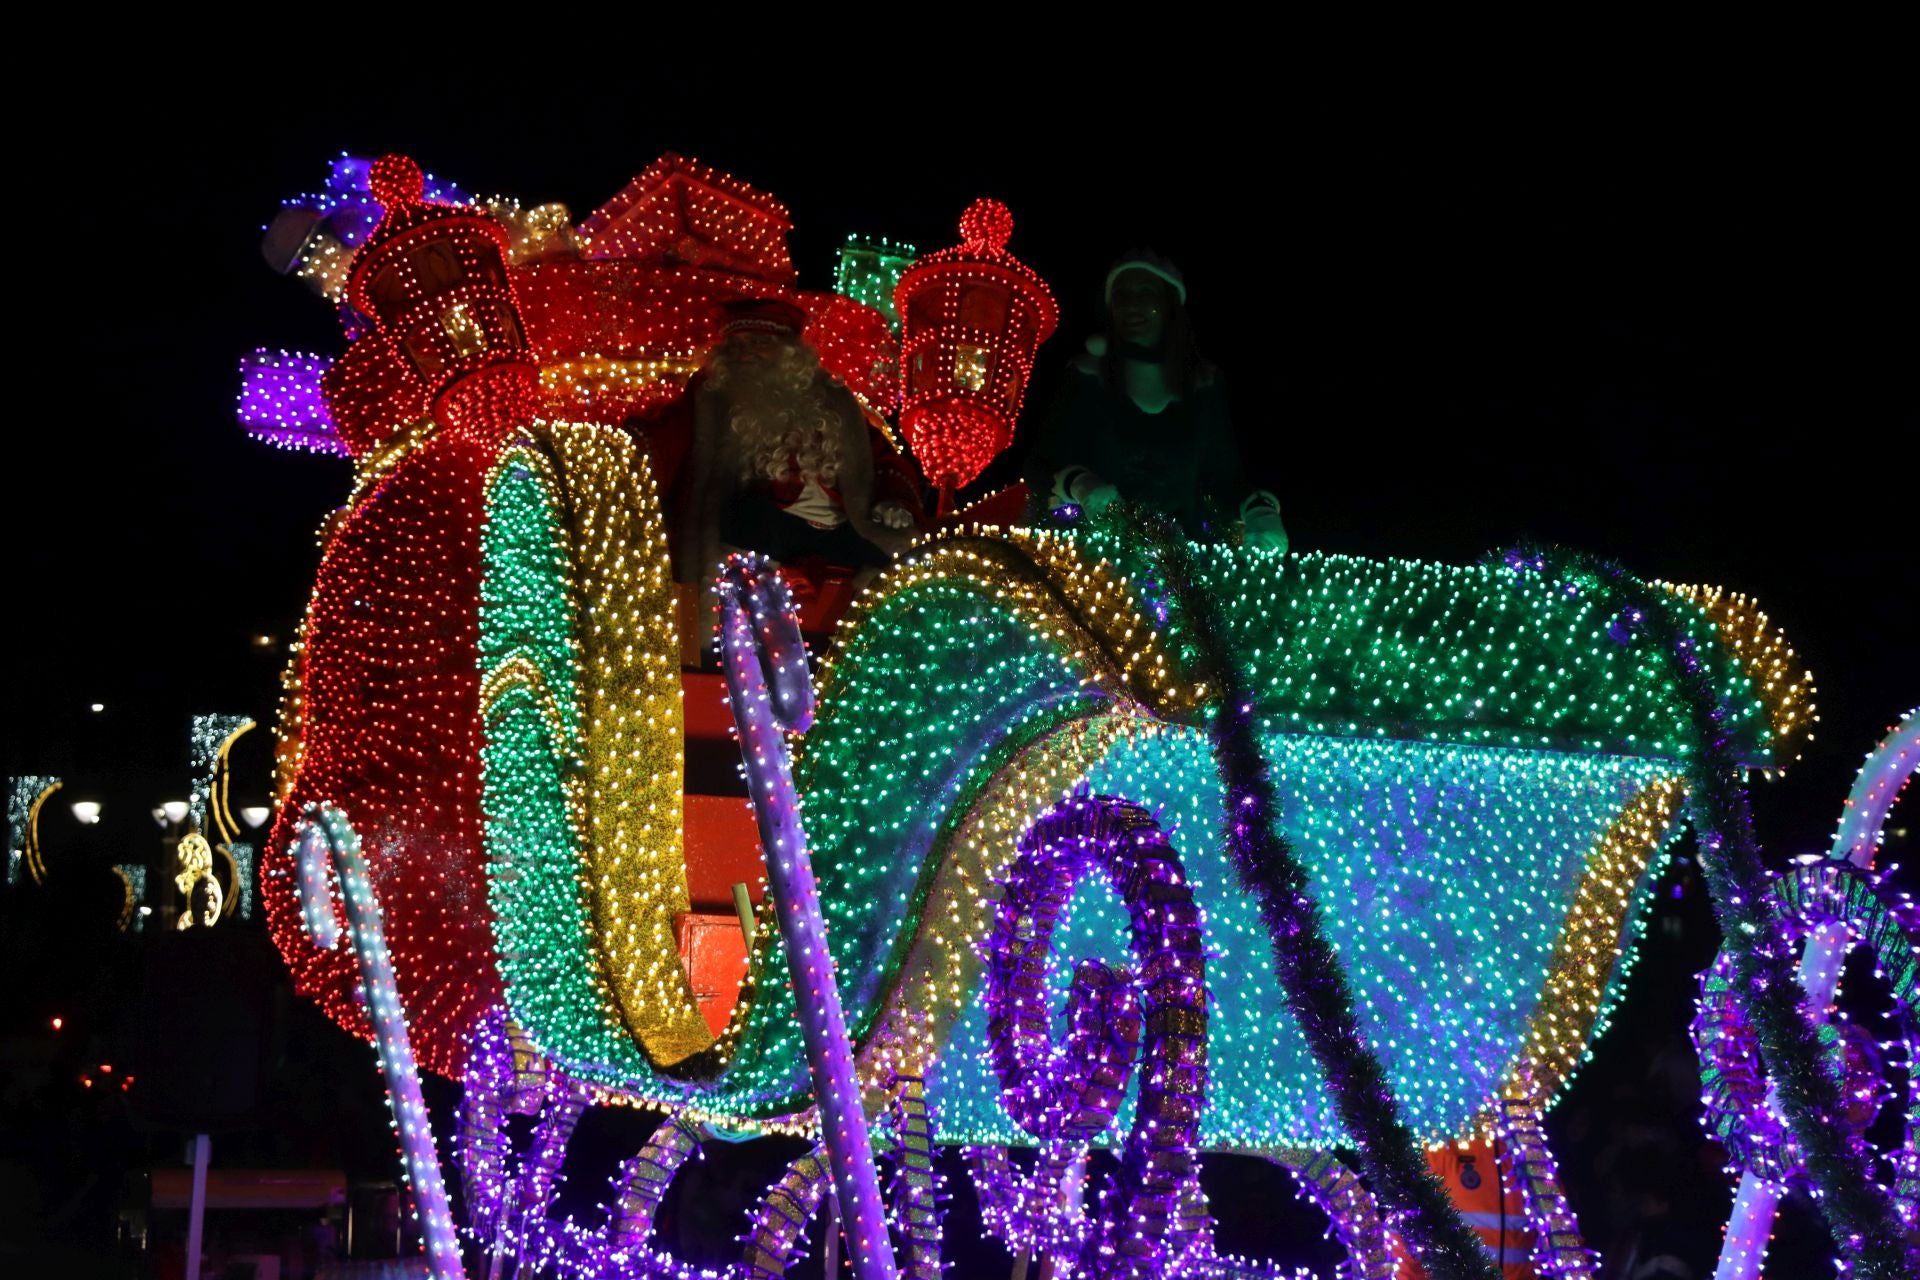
1858, 1210
1304, 960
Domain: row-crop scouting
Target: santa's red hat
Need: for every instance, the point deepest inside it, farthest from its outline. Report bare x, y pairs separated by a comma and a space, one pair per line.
762, 315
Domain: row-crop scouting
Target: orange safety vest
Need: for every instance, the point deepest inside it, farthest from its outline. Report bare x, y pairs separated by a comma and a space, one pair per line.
1473, 1177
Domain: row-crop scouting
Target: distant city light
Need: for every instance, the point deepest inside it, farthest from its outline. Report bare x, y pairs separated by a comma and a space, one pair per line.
99, 706
263, 642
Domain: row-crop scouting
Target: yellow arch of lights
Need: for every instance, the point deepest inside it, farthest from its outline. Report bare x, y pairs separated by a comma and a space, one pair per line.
1592, 940
631, 723
942, 966
1761, 650
518, 673
219, 790
30, 846
1085, 607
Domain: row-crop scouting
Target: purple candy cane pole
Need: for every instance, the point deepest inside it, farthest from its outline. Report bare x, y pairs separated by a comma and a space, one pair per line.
326, 835
768, 686
1886, 771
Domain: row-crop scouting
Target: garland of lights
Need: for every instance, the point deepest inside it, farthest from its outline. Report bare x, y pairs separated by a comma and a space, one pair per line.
782, 1215
1350, 1209
1809, 899
916, 1216
1764, 987
480, 1137
1559, 1251
643, 1180
1308, 967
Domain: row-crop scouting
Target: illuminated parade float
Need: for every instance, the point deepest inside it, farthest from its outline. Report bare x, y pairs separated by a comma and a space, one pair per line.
1064, 834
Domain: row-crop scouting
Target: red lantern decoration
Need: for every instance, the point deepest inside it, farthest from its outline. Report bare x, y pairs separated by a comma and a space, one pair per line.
434, 279
971, 319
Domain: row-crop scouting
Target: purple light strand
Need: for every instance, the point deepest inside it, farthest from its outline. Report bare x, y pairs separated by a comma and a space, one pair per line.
643, 1183
326, 837
1859, 1211
1350, 1209
1068, 1095
481, 1141
916, 1195
769, 690
1305, 962
782, 1215
1558, 1250
283, 401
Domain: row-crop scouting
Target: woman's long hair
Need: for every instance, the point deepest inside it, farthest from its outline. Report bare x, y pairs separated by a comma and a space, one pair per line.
779, 412
1186, 368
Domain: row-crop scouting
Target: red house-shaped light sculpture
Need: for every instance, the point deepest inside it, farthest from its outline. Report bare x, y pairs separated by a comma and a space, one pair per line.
971, 319
433, 278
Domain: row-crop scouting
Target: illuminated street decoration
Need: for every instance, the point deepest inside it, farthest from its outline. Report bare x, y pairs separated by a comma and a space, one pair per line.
283, 402
869, 270
133, 882
25, 796
196, 883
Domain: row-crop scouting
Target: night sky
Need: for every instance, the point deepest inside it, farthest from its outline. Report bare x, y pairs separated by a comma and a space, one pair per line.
1683, 339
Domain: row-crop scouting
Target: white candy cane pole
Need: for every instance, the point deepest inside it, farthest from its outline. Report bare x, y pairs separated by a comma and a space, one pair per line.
325, 837
769, 689
1886, 771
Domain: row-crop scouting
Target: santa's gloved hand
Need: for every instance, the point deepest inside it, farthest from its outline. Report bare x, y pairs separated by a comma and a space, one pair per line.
1260, 522
1098, 497
892, 515
1082, 487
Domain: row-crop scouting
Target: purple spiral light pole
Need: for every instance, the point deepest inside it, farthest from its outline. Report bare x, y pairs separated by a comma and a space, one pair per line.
769, 690
326, 839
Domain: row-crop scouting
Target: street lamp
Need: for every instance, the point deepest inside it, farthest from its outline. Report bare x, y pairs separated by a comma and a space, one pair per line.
86, 811
175, 811
255, 814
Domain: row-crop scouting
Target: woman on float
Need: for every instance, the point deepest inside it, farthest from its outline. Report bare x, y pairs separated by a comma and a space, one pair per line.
1142, 415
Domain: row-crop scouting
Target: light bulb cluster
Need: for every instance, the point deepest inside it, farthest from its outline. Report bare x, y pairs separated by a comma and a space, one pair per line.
283, 401
387, 716
586, 876
680, 212
26, 794
868, 270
